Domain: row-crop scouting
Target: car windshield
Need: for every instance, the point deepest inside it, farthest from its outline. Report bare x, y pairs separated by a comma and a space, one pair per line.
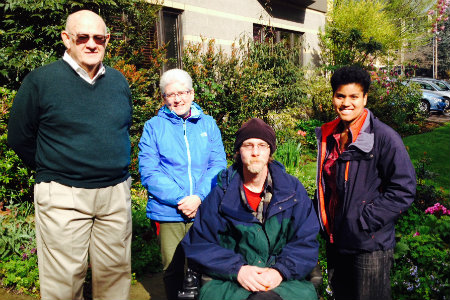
442, 86
436, 87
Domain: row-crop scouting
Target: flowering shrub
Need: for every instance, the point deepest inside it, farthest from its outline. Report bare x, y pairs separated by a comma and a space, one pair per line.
437, 210
422, 255
395, 103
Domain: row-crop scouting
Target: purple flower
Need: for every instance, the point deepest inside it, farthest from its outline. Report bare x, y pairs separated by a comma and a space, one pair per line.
33, 251
24, 256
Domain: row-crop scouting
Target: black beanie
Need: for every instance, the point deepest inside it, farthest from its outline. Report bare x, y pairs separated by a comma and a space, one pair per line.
257, 129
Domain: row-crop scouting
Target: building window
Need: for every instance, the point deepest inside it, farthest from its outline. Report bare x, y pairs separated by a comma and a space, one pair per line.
169, 29
292, 39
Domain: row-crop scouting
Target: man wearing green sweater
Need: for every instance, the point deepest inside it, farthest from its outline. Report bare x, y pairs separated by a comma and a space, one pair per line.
70, 121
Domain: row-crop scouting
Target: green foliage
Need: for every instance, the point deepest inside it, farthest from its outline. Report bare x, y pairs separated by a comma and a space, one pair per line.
422, 253
319, 94
30, 31
395, 103
288, 154
252, 81
18, 259
308, 128
145, 251
422, 256
357, 33
429, 152
15, 177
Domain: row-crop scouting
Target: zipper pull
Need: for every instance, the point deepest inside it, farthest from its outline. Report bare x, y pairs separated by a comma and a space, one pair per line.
331, 239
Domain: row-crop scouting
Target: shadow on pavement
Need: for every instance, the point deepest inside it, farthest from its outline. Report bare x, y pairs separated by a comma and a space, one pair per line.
150, 286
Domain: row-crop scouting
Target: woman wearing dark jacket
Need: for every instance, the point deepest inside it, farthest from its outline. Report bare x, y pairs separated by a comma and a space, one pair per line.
365, 181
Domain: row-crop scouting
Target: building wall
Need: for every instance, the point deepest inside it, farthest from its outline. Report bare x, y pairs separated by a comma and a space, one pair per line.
228, 21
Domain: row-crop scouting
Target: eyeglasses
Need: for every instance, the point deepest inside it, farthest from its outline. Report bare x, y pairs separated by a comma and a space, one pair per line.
83, 38
250, 147
181, 94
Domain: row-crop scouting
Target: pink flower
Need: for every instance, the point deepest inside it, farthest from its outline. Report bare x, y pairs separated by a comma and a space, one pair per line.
302, 133
442, 27
416, 233
431, 12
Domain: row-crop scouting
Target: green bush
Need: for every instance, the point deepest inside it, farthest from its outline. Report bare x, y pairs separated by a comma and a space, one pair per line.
145, 251
15, 178
253, 81
18, 258
395, 103
422, 256
308, 129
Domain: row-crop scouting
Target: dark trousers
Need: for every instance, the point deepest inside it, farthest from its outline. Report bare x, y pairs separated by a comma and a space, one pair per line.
364, 276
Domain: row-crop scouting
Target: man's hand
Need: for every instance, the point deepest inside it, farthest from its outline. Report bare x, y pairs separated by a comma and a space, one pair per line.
189, 205
272, 278
250, 278
256, 279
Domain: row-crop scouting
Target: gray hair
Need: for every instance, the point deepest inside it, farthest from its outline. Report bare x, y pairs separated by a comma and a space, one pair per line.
175, 75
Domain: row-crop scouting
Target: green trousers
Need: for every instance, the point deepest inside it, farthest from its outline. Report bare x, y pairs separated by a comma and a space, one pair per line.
172, 254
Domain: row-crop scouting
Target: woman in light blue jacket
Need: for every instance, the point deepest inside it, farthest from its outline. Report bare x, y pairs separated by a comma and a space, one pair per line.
180, 154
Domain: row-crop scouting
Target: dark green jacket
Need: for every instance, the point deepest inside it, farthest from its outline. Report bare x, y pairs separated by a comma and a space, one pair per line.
225, 236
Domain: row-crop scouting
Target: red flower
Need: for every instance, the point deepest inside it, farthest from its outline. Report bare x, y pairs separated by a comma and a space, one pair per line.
302, 133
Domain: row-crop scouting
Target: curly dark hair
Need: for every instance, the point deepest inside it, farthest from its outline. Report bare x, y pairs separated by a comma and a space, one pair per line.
350, 74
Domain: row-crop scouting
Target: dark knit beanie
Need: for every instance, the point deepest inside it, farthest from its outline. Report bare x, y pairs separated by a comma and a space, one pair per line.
257, 129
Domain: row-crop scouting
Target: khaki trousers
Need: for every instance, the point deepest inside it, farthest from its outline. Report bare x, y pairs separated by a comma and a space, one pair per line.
72, 223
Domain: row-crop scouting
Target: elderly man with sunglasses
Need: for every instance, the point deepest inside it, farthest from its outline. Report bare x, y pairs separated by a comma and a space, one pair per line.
70, 121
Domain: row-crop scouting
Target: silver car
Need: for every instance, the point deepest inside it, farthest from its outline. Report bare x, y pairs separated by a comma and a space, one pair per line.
435, 86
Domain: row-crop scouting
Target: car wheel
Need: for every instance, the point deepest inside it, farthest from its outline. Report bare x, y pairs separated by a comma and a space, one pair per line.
424, 107
447, 103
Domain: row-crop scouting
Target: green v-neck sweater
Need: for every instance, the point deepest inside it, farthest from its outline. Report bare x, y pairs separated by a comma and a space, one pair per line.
70, 131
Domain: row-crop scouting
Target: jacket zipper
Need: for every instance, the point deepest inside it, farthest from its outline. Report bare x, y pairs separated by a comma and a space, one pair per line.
189, 158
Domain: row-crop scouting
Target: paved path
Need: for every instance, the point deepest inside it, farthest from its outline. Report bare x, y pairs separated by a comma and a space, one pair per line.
148, 287
440, 118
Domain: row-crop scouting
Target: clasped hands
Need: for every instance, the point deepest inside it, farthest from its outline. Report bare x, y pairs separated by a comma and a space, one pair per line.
189, 205
256, 279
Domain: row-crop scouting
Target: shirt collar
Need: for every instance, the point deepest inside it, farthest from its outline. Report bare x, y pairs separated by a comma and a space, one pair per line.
80, 71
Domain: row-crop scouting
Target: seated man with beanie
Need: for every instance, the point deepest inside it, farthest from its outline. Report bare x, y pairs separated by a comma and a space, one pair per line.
255, 233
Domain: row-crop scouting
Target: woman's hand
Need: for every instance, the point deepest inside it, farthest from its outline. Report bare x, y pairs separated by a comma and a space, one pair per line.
189, 205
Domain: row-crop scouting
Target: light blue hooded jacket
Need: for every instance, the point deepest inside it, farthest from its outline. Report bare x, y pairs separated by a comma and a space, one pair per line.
178, 158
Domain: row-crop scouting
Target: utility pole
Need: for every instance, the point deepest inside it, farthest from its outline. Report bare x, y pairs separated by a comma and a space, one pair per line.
435, 56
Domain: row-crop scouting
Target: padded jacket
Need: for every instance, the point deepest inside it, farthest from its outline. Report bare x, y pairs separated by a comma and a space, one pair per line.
225, 236
178, 158
375, 182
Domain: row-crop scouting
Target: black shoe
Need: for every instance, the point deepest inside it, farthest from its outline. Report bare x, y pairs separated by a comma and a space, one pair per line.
191, 285
315, 276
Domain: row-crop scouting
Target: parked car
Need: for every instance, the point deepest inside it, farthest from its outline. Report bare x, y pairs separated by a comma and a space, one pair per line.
432, 102
435, 86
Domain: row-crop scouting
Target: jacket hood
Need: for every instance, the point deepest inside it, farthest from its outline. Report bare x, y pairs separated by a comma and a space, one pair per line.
166, 113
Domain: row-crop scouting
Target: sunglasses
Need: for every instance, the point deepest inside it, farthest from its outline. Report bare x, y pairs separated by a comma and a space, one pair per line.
83, 38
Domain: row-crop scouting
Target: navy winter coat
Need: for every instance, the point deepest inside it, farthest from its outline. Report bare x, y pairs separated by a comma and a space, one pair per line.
378, 186
225, 236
